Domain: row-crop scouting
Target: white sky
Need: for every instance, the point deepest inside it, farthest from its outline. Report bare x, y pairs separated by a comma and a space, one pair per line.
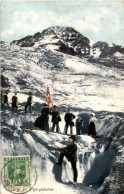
99, 21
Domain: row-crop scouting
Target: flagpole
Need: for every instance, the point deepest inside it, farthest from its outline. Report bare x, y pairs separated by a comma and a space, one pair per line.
48, 97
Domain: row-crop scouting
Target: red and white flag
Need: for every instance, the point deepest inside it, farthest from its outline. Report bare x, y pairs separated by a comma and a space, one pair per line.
48, 97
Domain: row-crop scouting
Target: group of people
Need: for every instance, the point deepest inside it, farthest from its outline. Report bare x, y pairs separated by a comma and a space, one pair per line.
5, 102
42, 121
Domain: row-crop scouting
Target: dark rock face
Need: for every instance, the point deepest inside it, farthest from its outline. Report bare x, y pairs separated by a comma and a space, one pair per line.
65, 49
116, 184
2, 42
106, 49
4, 82
73, 39
24, 42
107, 56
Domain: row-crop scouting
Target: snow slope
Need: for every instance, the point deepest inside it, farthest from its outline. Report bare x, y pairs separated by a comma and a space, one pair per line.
74, 82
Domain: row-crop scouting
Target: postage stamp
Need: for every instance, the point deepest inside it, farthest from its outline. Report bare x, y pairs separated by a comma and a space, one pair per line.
16, 171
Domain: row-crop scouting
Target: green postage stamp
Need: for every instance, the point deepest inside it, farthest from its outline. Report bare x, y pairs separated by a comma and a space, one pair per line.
16, 171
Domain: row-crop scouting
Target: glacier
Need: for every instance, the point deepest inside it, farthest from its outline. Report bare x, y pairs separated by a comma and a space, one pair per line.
77, 83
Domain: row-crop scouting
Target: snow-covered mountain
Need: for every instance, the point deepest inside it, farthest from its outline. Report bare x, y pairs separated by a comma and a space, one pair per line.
73, 80
83, 75
69, 41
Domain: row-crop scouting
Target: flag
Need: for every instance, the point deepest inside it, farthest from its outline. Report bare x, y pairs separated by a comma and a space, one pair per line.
48, 97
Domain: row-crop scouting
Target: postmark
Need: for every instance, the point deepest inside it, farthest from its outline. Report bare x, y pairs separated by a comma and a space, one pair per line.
17, 174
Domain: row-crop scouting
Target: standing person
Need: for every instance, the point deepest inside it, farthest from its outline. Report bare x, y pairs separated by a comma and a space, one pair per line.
92, 127
45, 118
69, 121
15, 102
55, 118
70, 152
79, 122
5, 100
42, 121
29, 103
2, 98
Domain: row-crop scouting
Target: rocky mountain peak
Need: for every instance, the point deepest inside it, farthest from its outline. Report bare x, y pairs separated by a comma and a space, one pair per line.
67, 40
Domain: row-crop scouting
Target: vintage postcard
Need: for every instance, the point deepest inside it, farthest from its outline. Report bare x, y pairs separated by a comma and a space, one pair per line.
62, 97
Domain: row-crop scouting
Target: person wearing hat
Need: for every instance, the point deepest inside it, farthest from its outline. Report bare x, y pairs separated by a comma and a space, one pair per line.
92, 126
42, 122
45, 118
70, 152
69, 121
29, 103
55, 118
79, 122
15, 102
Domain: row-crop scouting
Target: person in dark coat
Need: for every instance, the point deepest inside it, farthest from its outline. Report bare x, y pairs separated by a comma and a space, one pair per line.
79, 122
70, 152
5, 100
92, 127
15, 102
2, 98
55, 118
45, 118
69, 121
42, 121
29, 103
